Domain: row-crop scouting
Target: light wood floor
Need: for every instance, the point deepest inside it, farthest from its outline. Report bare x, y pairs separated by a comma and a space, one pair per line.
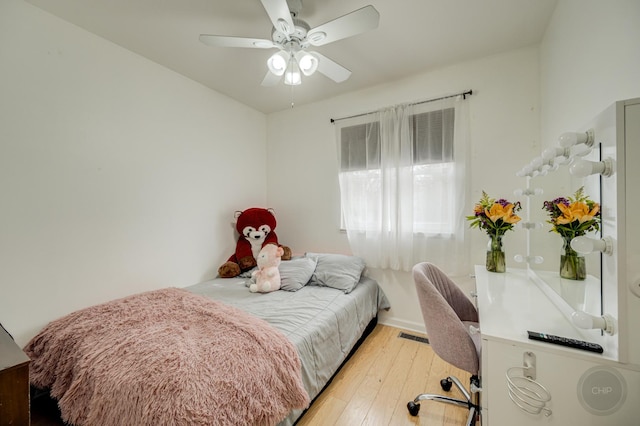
385, 373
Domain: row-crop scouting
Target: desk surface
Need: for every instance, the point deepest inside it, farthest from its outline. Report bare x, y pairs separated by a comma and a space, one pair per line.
510, 303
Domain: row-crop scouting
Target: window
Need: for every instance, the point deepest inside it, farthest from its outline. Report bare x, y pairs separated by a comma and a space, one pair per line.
431, 165
402, 184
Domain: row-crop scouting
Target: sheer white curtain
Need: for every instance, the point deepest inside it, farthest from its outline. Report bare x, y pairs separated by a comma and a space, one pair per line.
402, 184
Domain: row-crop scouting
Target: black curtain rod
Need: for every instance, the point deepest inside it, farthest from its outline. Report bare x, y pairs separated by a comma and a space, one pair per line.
464, 96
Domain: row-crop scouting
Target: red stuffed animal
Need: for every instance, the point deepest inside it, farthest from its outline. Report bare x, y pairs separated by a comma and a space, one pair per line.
256, 228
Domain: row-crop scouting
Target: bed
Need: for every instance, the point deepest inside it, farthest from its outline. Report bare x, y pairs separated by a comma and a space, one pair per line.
202, 370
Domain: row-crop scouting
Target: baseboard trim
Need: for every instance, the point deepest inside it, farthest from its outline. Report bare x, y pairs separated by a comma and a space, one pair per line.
403, 324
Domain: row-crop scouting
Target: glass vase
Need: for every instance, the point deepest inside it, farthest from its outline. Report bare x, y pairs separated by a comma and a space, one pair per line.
572, 264
495, 255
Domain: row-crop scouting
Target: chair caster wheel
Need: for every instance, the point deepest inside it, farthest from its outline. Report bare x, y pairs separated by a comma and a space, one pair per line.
446, 384
413, 408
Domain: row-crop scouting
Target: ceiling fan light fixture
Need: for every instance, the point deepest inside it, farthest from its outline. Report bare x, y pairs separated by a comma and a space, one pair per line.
277, 63
292, 75
292, 36
308, 62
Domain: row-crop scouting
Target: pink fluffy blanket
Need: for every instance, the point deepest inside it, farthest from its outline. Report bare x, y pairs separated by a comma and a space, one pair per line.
167, 357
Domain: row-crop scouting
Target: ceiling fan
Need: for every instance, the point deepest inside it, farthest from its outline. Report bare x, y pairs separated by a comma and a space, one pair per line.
293, 36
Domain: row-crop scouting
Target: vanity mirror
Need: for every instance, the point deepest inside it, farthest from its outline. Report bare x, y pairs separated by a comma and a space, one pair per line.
603, 161
545, 247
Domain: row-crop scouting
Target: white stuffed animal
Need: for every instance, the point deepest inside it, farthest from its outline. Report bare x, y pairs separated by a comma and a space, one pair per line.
267, 277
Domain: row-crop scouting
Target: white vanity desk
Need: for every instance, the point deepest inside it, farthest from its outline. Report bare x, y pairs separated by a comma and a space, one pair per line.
511, 303
582, 388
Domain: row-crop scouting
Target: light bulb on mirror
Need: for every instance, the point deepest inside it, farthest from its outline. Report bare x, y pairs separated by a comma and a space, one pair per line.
586, 245
571, 138
560, 161
528, 170
584, 168
548, 166
587, 321
580, 150
536, 162
551, 153
556, 154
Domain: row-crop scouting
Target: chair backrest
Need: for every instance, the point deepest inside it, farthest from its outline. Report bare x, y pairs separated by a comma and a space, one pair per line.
444, 308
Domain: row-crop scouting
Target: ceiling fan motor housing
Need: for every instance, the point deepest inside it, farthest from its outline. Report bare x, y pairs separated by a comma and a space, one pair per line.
301, 28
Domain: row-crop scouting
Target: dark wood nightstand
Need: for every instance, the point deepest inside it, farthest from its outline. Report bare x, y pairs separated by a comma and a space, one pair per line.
14, 382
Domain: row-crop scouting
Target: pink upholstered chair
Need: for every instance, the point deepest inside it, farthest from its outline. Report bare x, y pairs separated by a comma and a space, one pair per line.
448, 315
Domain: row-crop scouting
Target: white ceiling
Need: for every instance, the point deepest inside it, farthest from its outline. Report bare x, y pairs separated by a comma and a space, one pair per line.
414, 36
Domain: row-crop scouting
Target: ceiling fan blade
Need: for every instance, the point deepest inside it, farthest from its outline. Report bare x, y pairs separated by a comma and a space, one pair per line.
348, 25
332, 69
228, 41
271, 79
280, 16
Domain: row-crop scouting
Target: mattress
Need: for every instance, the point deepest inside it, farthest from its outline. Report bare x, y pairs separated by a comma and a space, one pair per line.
323, 323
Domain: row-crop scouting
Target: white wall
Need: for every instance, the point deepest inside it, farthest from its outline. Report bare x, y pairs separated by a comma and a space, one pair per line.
302, 167
116, 175
590, 58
